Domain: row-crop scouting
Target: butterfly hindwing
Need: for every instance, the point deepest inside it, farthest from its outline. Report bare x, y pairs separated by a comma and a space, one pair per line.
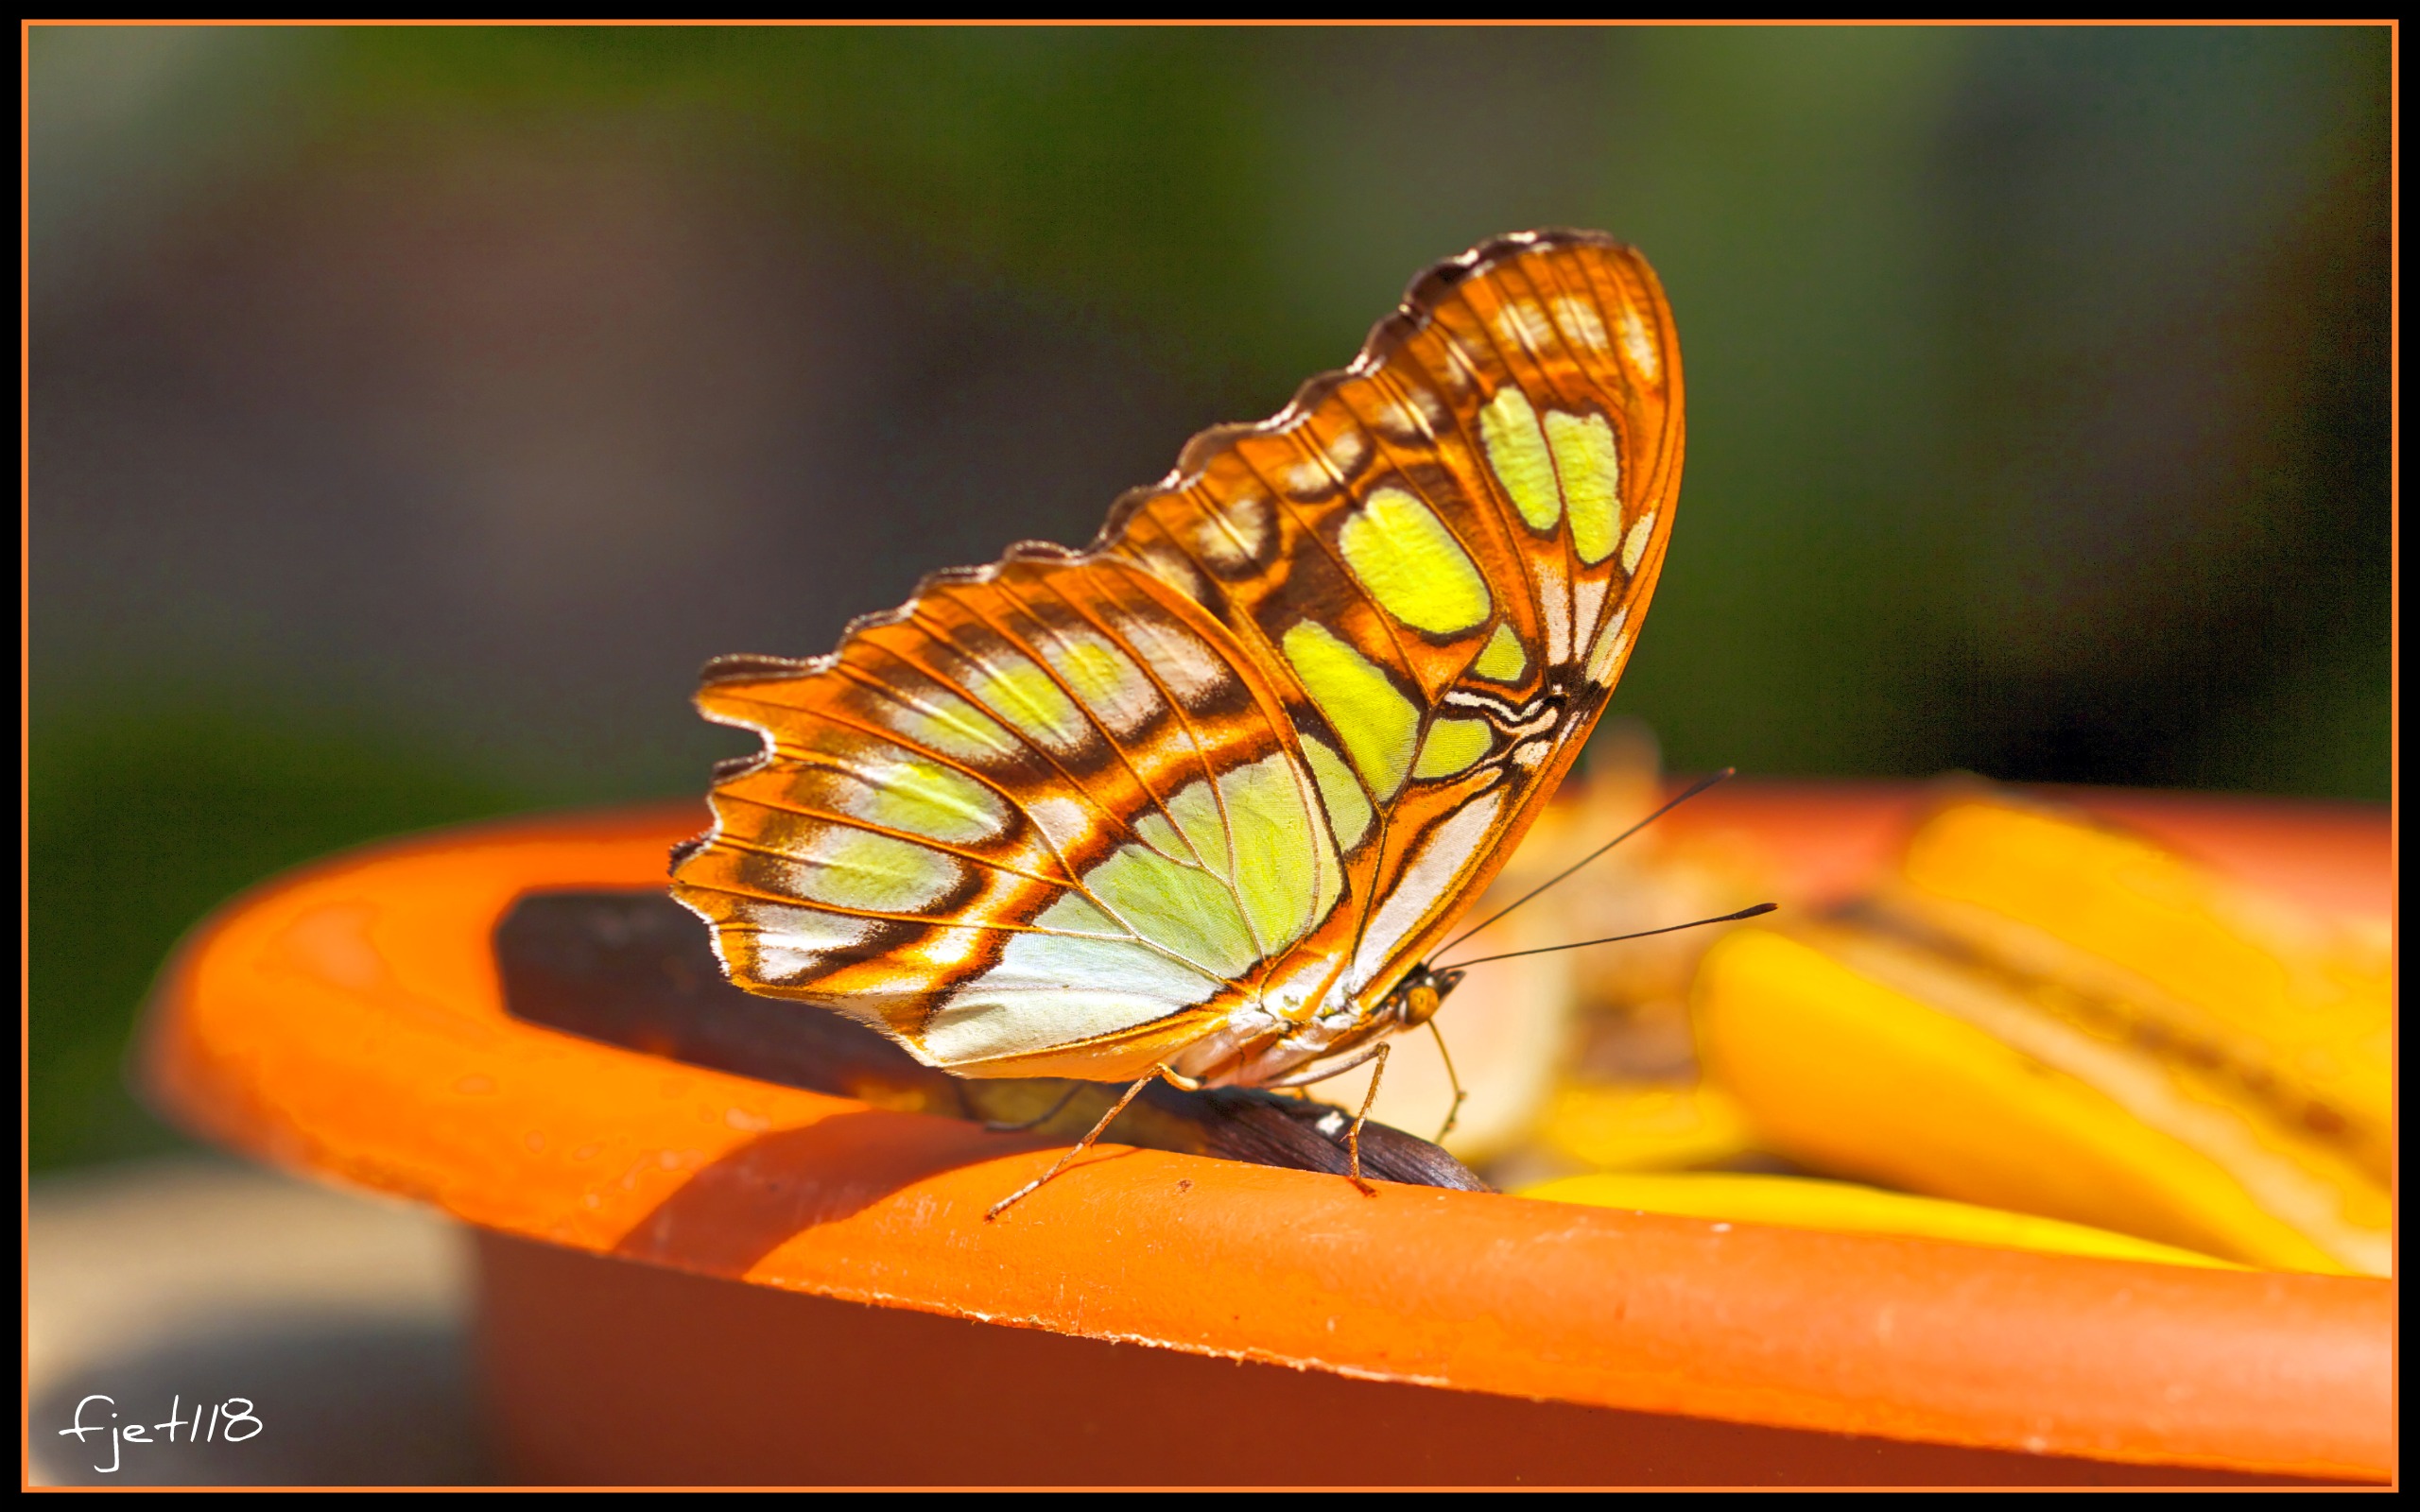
1037, 813
1200, 793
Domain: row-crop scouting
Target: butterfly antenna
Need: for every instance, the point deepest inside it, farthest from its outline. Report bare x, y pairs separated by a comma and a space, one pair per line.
1547, 950
1700, 786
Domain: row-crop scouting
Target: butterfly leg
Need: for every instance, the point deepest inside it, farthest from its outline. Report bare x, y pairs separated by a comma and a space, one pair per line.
1456, 1111
1086, 1142
1036, 1122
1353, 1136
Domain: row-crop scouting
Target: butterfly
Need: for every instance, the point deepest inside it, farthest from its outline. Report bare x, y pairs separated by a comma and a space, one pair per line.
1197, 801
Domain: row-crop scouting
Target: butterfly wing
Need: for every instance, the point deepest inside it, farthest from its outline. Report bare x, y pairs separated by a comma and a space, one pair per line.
1044, 819
1200, 793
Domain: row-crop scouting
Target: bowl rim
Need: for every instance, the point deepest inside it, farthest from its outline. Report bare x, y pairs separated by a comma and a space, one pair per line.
345, 1020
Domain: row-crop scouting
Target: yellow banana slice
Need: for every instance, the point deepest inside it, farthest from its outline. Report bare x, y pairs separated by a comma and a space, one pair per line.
2031, 1018
1647, 1126
1801, 1202
2298, 1013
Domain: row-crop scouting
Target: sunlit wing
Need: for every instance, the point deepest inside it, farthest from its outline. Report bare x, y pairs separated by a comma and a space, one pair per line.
1200, 793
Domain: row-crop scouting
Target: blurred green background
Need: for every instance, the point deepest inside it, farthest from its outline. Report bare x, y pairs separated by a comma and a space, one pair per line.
414, 409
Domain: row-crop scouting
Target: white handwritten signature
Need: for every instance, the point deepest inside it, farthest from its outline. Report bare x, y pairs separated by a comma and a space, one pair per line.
232, 1421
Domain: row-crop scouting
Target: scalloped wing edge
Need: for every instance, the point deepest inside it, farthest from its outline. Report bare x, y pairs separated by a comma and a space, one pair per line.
1399, 325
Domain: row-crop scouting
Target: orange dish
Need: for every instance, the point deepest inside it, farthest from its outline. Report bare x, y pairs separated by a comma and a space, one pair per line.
347, 1021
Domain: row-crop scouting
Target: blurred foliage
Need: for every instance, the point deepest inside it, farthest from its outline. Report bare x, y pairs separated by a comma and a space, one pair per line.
1903, 261
140, 825
1877, 240
1113, 166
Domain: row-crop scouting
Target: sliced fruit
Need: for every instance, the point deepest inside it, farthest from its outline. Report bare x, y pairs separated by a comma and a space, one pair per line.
1803, 1202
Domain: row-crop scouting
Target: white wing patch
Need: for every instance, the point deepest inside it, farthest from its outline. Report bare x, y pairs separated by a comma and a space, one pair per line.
789, 942
1191, 670
1052, 989
1224, 881
1639, 347
1634, 544
1443, 852
1607, 658
1233, 536
1579, 322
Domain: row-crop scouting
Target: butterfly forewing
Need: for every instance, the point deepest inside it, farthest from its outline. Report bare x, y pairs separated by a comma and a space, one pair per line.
1201, 794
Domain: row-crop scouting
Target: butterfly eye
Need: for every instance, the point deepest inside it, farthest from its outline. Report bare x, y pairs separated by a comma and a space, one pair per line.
1417, 1002
1421, 993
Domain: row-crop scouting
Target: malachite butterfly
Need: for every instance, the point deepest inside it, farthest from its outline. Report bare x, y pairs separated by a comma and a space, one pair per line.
1198, 799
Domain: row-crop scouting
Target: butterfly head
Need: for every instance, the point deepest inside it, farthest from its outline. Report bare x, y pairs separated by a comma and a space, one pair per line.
1417, 998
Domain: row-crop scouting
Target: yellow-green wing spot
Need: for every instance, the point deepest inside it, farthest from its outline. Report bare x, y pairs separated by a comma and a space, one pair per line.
1278, 845
1377, 723
952, 726
1516, 452
1635, 547
1026, 696
927, 798
1590, 471
1452, 746
1348, 807
852, 869
1160, 836
1108, 683
1503, 661
1206, 830
1412, 565
1181, 909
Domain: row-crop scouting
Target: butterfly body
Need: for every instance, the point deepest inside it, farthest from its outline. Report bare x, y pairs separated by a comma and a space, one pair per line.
1204, 795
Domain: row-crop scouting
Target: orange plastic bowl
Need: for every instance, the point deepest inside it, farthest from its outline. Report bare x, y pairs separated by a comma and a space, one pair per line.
692, 1277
